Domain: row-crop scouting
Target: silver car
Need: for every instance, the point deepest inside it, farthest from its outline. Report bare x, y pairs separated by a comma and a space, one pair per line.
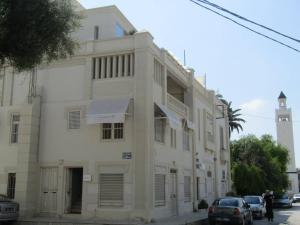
9, 210
229, 210
256, 205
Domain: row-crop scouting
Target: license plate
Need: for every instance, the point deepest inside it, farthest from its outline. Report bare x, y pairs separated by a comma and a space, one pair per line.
222, 219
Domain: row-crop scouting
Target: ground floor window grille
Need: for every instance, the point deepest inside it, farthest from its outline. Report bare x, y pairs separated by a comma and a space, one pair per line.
11, 185
160, 190
187, 189
111, 188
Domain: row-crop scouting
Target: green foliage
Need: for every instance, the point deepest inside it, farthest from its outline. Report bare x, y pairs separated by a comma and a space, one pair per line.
234, 119
258, 164
32, 31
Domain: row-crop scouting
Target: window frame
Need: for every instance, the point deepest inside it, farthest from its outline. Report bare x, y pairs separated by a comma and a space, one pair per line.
161, 124
173, 138
158, 202
113, 130
11, 185
14, 135
79, 122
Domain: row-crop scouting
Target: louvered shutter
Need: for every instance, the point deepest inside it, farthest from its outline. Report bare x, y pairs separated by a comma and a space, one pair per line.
160, 195
187, 189
74, 120
111, 190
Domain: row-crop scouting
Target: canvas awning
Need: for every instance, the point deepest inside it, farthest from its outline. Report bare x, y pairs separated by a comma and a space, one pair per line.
107, 111
173, 120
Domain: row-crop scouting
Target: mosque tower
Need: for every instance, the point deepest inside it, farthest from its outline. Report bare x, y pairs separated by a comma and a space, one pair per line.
284, 126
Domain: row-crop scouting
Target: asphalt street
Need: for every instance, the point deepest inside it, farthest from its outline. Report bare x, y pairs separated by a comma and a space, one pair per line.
289, 216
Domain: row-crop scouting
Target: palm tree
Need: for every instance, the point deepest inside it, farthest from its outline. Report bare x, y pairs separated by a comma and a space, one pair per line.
234, 119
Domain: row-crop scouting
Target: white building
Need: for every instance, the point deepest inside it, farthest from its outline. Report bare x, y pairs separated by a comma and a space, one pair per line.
285, 137
119, 131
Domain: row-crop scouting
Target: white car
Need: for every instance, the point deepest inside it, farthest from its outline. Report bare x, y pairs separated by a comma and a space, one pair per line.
256, 205
296, 198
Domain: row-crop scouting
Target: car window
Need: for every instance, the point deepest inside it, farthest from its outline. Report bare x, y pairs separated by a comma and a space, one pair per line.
228, 202
252, 200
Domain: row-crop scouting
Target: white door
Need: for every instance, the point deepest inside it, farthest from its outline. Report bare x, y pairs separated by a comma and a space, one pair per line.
68, 191
173, 192
49, 189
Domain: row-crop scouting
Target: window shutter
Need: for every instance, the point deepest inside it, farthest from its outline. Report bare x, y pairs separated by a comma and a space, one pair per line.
111, 190
187, 188
160, 194
74, 120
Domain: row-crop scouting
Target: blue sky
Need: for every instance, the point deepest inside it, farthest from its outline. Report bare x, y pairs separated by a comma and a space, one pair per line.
246, 69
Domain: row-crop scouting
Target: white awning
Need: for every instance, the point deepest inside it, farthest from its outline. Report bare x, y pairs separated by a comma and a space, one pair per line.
173, 120
107, 111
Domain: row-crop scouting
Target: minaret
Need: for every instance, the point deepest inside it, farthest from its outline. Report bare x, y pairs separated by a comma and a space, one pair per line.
284, 125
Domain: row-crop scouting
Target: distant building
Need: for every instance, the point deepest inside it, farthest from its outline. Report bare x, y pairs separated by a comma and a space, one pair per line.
285, 137
119, 131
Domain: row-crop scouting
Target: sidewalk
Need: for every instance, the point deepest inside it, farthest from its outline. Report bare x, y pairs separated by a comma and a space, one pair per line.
195, 218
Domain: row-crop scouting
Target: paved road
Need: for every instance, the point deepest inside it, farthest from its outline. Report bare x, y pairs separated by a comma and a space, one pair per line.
283, 217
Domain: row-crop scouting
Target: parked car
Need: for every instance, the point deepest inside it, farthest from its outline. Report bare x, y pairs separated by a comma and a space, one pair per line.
283, 200
9, 210
296, 198
256, 205
230, 210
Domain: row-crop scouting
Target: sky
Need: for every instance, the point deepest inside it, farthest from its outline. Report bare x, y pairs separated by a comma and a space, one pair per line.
245, 68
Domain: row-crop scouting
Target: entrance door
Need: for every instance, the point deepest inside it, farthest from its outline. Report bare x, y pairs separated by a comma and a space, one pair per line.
49, 190
73, 196
173, 192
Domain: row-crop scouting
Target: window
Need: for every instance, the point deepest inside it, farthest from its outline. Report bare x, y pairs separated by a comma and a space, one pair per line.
118, 130
186, 139
199, 124
210, 127
11, 185
158, 73
159, 127
173, 138
96, 32
74, 119
111, 187
187, 189
223, 174
119, 30
112, 131
160, 191
15, 122
222, 138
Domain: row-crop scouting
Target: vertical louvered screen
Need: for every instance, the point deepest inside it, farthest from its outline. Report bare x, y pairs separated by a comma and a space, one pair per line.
74, 119
160, 194
187, 189
111, 188
49, 189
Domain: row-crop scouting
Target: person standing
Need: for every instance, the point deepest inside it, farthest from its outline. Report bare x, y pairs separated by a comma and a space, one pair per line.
269, 205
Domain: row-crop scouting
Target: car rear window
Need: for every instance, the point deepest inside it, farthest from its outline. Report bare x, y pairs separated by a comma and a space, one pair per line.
228, 202
252, 200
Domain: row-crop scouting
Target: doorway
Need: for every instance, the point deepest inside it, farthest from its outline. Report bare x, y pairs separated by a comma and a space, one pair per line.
73, 199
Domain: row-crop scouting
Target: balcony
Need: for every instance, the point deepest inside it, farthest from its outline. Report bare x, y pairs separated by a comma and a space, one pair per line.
177, 106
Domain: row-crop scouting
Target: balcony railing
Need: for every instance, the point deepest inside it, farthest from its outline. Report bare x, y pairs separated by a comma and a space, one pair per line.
178, 107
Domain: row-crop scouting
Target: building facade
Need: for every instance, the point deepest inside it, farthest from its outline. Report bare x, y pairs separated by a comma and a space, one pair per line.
285, 137
119, 131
